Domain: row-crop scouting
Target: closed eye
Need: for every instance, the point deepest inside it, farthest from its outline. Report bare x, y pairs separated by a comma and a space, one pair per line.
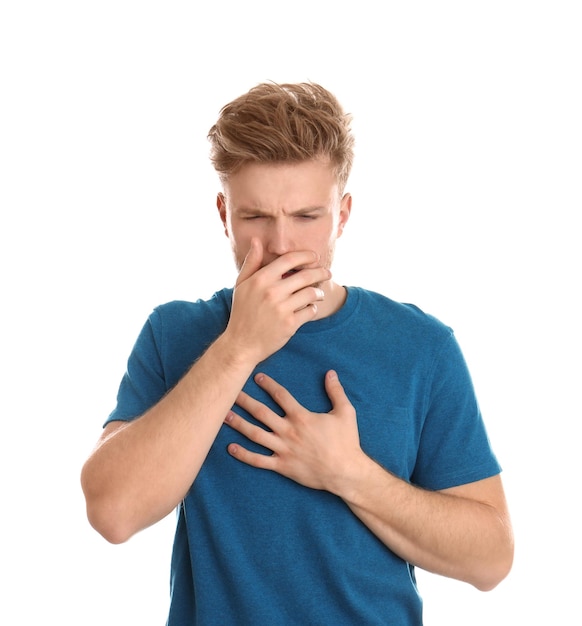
299, 217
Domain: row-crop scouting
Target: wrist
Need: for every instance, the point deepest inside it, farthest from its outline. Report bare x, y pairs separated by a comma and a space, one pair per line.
234, 354
351, 481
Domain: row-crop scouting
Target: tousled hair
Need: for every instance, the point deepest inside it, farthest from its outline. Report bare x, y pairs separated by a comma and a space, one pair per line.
282, 123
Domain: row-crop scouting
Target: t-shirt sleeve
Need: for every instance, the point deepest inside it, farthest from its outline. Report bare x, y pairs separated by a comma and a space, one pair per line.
454, 446
143, 383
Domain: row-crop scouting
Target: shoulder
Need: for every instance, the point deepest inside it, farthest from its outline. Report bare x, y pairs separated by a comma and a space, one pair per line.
177, 332
199, 311
403, 317
179, 321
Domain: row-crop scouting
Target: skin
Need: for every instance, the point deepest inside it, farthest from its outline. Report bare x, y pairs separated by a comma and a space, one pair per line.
283, 222
469, 536
285, 208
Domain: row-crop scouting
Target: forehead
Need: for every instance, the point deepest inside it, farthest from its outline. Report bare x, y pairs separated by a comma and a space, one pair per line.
282, 185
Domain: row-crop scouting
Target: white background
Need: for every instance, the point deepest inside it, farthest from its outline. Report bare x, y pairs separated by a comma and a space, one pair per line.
467, 193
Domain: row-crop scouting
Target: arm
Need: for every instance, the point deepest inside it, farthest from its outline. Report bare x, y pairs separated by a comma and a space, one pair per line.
140, 470
463, 532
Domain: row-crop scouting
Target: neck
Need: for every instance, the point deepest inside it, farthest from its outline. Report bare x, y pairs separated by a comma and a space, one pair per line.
335, 296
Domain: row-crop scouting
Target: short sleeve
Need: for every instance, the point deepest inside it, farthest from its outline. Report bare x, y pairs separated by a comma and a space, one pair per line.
143, 383
454, 446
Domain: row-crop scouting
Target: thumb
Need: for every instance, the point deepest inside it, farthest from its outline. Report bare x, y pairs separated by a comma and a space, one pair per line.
336, 392
252, 261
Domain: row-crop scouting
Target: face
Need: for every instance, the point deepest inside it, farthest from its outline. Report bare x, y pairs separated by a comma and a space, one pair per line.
288, 207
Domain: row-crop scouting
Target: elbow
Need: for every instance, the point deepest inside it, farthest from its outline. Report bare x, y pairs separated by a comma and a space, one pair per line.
489, 577
104, 520
490, 581
104, 515
496, 566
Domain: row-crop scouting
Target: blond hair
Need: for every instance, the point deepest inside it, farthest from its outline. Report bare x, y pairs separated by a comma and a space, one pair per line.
282, 123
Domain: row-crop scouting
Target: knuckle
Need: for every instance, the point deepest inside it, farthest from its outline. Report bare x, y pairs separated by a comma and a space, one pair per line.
270, 294
278, 395
262, 414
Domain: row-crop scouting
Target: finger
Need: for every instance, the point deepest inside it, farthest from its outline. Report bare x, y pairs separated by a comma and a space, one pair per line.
250, 431
259, 411
290, 263
252, 262
305, 314
262, 461
279, 394
307, 277
306, 296
336, 391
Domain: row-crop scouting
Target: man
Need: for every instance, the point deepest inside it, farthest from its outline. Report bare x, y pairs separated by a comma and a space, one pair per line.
318, 441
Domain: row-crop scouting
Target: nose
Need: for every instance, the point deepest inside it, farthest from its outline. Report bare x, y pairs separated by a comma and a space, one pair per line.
279, 238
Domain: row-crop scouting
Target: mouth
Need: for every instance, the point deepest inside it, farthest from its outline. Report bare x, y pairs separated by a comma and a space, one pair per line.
289, 273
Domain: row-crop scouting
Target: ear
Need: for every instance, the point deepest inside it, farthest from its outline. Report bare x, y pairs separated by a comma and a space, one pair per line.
344, 213
221, 206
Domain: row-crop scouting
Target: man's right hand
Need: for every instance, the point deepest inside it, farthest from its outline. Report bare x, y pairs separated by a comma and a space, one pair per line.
270, 302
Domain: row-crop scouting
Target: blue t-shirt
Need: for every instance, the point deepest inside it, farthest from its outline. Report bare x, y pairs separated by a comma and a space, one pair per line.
254, 548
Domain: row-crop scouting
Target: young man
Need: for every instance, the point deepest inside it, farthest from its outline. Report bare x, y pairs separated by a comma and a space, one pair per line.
318, 441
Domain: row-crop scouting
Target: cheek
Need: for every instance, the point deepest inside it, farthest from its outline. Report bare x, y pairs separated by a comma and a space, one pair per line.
237, 256
240, 245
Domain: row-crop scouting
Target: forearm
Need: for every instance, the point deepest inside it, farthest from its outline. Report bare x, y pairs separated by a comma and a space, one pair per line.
143, 469
442, 532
